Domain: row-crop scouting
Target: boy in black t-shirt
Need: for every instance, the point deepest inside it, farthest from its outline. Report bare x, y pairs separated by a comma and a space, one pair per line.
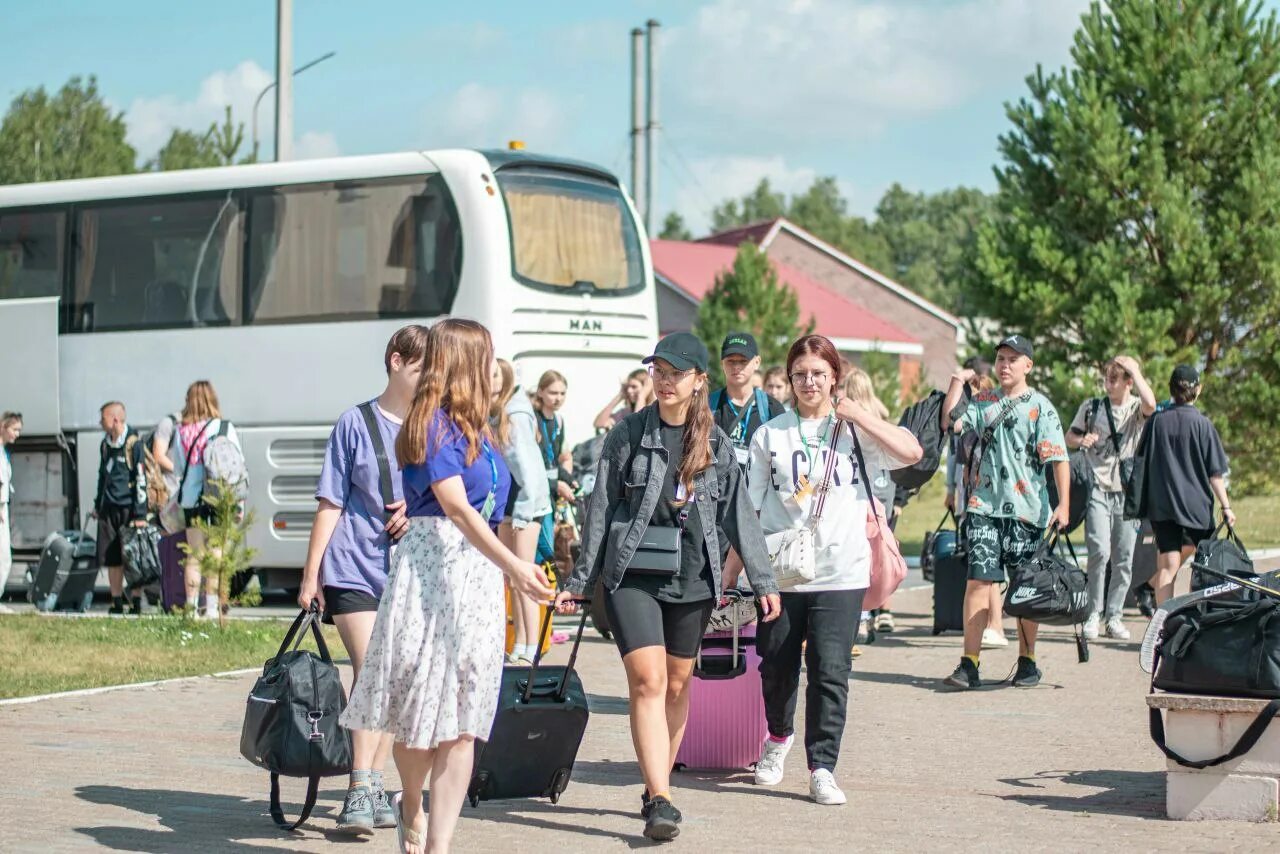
740, 407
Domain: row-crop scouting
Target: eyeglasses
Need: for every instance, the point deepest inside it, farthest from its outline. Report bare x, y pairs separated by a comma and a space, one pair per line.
665, 376
810, 379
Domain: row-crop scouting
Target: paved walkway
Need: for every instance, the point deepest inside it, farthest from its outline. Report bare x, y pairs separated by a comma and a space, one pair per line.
1067, 766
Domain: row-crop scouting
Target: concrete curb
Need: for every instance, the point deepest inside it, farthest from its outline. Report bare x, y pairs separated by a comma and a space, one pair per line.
105, 689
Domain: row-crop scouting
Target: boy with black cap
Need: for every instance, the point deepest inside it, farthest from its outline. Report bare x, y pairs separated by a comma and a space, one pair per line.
740, 407
1007, 510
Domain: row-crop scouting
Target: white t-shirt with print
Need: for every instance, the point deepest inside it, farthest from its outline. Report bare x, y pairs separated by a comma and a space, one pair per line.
778, 458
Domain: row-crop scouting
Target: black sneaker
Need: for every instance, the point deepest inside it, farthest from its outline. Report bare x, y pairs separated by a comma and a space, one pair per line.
1146, 601
1027, 675
661, 820
965, 676
644, 801
116, 608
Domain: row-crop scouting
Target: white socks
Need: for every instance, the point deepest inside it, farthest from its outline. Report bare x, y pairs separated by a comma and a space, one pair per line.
524, 650
211, 604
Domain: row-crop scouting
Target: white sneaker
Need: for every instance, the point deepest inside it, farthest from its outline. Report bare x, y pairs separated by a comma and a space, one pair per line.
1091, 627
772, 755
1116, 629
823, 789
992, 639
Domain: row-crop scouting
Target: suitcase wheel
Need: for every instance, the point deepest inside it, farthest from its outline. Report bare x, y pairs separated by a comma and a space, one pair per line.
679, 766
559, 783
937, 632
475, 800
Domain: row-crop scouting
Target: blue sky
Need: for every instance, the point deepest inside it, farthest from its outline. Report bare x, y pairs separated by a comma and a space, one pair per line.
871, 91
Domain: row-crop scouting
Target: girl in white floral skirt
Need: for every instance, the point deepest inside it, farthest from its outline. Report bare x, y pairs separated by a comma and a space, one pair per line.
434, 664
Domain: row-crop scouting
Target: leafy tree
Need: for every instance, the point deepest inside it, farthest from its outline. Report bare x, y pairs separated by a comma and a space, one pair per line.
760, 204
1139, 210
674, 228
217, 146
930, 238
750, 298
72, 134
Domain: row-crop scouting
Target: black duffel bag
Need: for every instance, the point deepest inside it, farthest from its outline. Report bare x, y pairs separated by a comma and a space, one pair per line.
291, 717
1224, 555
1048, 588
1220, 646
140, 548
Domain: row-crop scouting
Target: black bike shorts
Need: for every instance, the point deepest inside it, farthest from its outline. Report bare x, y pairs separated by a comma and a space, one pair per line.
639, 619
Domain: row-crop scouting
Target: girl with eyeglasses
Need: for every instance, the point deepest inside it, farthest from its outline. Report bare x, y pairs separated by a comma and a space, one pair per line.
819, 619
669, 501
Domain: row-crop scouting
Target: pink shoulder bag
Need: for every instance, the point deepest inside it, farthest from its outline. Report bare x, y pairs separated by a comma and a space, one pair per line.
888, 567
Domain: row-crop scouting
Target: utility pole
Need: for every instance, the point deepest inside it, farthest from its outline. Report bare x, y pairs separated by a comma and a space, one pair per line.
637, 97
284, 80
651, 125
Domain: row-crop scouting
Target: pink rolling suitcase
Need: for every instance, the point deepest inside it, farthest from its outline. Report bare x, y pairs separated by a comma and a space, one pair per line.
726, 709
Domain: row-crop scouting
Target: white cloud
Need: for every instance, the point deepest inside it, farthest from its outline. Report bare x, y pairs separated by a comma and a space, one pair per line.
151, 120
480, 116
840, 68
726, 177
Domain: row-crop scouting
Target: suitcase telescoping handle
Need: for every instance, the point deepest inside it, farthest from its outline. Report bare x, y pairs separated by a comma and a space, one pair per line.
737, 662
563, 688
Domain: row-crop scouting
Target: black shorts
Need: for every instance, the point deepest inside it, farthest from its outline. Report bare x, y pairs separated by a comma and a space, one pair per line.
112, 521
342, 600
1173, 537
638, 619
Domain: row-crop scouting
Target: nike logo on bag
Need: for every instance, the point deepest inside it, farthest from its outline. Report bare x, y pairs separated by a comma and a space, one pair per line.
1023, 594
534, 735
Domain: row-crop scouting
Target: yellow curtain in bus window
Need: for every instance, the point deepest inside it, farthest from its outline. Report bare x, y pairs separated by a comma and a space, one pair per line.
561, 239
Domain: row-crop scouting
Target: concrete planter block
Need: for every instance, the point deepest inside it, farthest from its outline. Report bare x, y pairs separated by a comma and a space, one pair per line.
1201, 727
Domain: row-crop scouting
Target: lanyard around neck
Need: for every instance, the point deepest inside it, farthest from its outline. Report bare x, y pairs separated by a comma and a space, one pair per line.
740, 419
821, 439
551, 433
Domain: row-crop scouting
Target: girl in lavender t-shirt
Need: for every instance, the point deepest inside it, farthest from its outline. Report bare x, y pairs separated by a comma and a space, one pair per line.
347, 559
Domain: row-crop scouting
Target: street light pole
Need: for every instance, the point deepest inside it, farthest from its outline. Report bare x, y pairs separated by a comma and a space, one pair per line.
284, 80
272, 85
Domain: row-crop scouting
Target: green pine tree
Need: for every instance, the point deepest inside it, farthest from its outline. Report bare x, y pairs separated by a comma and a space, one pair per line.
750, 298
1139, 212
225, 551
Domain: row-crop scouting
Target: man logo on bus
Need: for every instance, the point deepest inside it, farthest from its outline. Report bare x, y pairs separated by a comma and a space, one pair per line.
585, 324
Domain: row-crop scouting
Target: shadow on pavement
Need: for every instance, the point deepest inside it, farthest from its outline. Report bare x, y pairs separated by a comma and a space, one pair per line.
1130, 793
561, 818
200, 821
609, 773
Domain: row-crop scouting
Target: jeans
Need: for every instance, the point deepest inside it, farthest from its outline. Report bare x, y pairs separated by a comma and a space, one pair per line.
822, 626
1109, 537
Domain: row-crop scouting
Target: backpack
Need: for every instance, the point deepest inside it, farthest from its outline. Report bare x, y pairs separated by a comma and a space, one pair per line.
157, 490
1082, 480
224, 464
923, 419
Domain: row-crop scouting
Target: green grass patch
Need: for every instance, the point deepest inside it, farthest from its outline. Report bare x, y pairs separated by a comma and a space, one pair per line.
1258, 520
922, 514
44, 655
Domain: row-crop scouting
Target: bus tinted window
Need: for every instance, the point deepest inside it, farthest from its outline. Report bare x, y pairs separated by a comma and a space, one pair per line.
31, 253
569, 231
373, 249
160, 263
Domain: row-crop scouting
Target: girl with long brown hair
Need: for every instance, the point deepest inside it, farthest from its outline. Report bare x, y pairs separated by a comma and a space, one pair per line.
789, 458
635, 394
516, 431
433, 669
669, 501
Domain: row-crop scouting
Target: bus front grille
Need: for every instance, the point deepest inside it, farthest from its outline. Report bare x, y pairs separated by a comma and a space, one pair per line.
294, 488
297, 453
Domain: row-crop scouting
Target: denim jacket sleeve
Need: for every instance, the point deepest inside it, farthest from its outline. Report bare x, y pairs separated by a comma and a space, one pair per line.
740, 523
595, 526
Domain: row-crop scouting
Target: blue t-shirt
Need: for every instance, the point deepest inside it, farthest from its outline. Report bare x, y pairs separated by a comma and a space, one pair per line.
356, 557
446, 458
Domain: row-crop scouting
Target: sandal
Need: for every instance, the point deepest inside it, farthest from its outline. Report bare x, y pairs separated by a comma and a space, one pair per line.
406, 834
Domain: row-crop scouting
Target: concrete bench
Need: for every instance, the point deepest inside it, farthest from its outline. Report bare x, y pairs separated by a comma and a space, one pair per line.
1246, 788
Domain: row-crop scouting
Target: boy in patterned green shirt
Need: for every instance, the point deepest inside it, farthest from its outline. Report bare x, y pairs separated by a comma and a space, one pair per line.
1008, 507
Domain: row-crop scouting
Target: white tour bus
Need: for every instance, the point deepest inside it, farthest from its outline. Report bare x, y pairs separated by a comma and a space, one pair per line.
281, 283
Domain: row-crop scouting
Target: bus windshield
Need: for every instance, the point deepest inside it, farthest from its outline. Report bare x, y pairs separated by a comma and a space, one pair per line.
571, 232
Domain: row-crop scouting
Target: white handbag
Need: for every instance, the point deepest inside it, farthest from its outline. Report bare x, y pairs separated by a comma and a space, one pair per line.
793, 552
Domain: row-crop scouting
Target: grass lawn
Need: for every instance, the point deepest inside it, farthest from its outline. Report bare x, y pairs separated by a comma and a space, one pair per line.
47, 654
1258, 518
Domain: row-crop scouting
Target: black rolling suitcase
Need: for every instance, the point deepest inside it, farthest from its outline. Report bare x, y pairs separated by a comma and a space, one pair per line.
542, 714
66, 573
950, 577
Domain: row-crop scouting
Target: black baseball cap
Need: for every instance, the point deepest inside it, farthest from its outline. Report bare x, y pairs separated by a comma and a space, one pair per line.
1018, 344
683, 350
739, 344
1185, 374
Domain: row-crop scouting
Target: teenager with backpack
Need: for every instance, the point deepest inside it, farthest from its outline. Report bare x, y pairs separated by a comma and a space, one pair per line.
515, 429
361, 515
120, 500
1007, 510
961, 446
669, 501
821, 459
433, 669
201, 429
1186, 471
741, 406
1107, 430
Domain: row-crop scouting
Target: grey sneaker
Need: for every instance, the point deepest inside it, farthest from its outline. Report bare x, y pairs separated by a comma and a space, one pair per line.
383, 814
357, 811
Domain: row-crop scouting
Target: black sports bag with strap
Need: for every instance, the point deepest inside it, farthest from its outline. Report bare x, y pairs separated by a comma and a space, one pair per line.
291, 717
1047, 588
